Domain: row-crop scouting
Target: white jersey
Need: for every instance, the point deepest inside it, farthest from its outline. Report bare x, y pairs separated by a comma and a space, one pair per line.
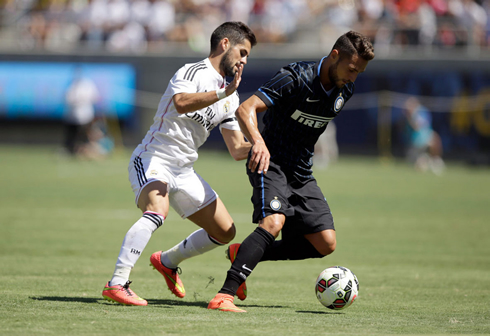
176, 137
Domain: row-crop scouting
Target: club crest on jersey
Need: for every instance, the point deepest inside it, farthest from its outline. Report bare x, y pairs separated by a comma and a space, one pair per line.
339, 102
226, 107
153, 173
275, 204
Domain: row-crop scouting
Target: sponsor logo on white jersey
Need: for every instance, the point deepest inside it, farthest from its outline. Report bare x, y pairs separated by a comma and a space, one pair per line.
204, 119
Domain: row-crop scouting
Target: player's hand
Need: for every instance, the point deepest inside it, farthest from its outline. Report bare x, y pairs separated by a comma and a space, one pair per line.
259, 159
233, 86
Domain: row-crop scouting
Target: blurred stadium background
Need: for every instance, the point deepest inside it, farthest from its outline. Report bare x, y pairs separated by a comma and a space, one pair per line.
417, 242
437, 50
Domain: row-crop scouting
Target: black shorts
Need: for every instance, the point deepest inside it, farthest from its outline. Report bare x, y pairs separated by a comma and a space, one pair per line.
302, 202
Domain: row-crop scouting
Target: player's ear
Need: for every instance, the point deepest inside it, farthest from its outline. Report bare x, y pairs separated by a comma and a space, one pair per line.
225, 44
334, 54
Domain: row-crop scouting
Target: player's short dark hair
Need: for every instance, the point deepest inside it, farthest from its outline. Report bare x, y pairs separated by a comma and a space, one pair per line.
235, 31
354, 43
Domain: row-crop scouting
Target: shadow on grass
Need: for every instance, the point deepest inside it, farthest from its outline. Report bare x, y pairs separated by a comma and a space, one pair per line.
202, 304
151, 302
259, 306
318, 312
102, 301
65, 299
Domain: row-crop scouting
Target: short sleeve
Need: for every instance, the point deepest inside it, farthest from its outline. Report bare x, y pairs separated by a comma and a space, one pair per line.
281, 86
179, 83
230, 123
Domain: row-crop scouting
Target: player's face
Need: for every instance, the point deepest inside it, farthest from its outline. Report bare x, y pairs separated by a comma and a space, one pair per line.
346, 70
235, 56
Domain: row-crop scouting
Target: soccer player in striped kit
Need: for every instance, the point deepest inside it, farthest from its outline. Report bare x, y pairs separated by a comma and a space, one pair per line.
300, 100
161, 172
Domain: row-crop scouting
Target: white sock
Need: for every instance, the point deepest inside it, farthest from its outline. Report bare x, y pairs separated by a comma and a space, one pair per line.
133, 245
197, 243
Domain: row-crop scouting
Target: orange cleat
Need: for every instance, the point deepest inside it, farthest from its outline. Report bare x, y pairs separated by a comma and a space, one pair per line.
231, 253
123, 295
224, 302
171, 275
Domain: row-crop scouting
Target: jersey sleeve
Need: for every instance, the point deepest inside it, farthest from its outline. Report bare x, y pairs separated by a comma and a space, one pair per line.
182, 83
282, 85
230, 122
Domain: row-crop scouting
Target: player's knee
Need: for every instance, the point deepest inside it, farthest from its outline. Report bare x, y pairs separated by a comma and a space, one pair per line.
226, 234
273, 224
154, 197
327, 248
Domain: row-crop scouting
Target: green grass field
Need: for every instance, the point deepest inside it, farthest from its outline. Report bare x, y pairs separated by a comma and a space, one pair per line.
419, 244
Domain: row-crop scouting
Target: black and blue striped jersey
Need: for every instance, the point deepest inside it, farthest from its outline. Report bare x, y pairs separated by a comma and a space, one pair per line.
299, 110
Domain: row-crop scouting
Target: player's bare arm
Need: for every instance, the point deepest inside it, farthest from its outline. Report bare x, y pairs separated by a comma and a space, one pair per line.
247, 118
236, 144
189, 102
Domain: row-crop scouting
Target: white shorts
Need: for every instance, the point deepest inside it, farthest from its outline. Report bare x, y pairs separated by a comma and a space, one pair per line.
187, 191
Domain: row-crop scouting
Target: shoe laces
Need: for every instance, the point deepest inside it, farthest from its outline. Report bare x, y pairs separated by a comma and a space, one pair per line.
227, 298
126, 288
177, 270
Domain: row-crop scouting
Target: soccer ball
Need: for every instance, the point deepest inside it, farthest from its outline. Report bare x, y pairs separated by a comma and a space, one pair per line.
336, 287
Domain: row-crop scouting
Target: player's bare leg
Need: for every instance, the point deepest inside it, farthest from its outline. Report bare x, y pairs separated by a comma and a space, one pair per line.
273, 223
154, 197
217, 229
216, 220
324, 241
153, 201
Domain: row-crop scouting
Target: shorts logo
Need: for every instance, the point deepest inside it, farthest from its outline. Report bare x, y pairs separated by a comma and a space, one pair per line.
339, 102
275, 204
153, 173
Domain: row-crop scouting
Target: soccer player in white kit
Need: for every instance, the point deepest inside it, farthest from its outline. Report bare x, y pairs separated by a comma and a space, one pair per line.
161, 172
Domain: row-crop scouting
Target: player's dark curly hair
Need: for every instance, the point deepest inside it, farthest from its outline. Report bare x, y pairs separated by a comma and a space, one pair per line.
235, 31
354, 43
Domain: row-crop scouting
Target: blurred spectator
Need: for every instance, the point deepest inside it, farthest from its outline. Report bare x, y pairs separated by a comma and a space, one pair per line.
428, 24
92, 20
81, 96
118, 14
238, 10
326, 148
424, 144
158, 28
99, 143
131, 37
141, 25
62, 31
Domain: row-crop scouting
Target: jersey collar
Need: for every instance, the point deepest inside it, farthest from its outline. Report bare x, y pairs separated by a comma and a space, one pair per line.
319, 66
317, 84
221, 80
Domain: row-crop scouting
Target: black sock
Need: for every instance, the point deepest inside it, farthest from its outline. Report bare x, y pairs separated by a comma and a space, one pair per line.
291, 249
249, 254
